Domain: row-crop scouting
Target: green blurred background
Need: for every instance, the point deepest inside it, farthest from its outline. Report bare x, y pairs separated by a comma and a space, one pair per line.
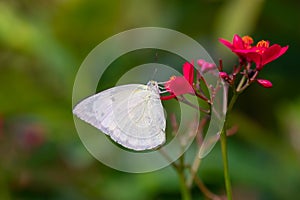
42, 44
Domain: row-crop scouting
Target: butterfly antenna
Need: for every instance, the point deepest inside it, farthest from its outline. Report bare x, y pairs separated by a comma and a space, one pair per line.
155, 61
154, 73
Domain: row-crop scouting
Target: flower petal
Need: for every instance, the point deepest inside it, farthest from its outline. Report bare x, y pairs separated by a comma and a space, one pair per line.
178, 85
250, 55
167, 97
238, 42
226, 43
188, 72
273, 53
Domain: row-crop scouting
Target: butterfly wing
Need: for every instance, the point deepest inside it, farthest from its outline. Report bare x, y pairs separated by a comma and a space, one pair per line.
97, 109
140, 119
132, 115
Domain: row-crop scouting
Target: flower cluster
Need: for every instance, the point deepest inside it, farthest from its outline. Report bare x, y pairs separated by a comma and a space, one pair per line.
260, 54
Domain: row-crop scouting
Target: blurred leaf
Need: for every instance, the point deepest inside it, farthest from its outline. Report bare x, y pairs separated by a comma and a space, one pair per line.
237, 17
34, 38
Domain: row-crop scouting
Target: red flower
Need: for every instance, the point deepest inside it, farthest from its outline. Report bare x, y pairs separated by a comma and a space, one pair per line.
264, 83
179, 85
261, 54
238, 43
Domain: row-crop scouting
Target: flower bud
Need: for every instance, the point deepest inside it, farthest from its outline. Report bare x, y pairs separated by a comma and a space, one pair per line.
223, 75
264, 83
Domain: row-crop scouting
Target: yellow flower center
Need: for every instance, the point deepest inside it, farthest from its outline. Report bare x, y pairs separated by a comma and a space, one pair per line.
248, 41
263, 44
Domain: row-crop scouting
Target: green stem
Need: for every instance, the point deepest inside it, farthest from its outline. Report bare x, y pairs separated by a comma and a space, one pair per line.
183, 187
231, 103
224, 148
241, 83
225, 164
185, 192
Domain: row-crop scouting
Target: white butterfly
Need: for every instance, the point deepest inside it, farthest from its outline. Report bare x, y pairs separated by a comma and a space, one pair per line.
132, 115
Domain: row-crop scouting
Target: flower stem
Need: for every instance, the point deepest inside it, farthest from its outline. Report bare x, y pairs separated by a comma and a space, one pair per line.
224, 148
231, 103
183, 187
185, 192
241, 83
225, 164
194, 169
205, 190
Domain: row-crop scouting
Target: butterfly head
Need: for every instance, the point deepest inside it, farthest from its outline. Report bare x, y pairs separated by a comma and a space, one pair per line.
153, 85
